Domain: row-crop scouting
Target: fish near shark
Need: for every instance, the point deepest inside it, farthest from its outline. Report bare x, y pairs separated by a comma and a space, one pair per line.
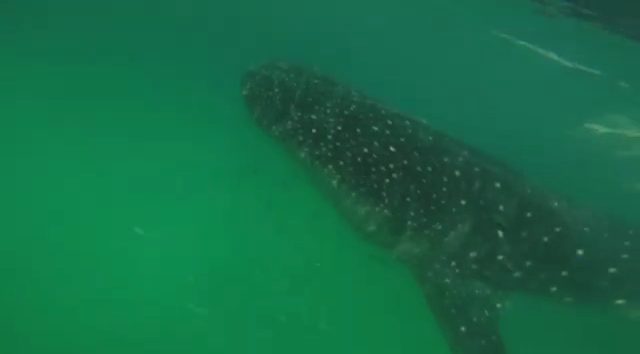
470, 228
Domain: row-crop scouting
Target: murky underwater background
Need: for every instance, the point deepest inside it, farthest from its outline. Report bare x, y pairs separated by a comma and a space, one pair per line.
143, 212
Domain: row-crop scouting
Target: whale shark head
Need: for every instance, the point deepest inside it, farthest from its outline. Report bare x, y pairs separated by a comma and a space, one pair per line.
269, 92
293, 104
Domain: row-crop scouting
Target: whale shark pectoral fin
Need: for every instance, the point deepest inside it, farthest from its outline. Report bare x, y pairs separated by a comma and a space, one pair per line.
467, 312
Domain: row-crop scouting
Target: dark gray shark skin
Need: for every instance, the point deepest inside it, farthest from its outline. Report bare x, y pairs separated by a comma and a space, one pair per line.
470, 228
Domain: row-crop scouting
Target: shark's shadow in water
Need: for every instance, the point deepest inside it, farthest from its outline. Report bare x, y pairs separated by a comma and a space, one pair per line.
470, 228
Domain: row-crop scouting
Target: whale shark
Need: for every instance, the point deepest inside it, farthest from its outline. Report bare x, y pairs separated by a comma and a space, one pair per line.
470, 228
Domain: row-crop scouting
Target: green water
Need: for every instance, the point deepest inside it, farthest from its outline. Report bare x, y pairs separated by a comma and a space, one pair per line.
144, 212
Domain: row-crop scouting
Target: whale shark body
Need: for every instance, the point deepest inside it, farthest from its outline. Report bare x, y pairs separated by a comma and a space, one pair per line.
470, 228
